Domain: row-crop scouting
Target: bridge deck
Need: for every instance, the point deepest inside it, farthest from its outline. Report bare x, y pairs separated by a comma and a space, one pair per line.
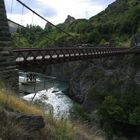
30, 57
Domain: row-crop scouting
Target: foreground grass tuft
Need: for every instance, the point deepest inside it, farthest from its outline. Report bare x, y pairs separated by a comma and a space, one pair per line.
12, 102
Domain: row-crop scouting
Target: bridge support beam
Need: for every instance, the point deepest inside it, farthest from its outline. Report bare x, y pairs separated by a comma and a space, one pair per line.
8, 71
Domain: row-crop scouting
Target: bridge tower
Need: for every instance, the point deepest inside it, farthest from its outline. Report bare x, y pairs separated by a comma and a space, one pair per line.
8, 71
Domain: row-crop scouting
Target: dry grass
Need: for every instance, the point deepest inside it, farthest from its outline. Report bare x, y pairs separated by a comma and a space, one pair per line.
55, 129
9, 100
88, 132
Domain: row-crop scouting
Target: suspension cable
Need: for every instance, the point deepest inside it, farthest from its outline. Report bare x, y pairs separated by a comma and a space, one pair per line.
45, 19
26, 27
22, 13
11, 9
32, 18
16, 23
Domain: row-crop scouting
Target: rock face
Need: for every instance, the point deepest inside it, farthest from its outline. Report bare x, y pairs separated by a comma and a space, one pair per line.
62, 71
31, 123
116, 75
69, 19
48, 26
27, 122
17, 126
81, 81
91, 81
8, 72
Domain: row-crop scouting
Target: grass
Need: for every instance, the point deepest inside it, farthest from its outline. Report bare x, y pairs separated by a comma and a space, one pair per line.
55, 129
9, 100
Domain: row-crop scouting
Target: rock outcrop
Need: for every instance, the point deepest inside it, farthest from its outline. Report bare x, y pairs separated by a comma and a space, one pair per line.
118, 75
63, 71
108, 75
27, 122
17, 126
104, 76
48, 26
69, 19
30, 122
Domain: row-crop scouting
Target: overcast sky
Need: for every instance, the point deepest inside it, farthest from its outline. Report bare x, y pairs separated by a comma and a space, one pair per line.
55, 11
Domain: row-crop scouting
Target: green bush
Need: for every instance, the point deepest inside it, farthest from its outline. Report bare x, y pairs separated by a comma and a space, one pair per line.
79, 111
112, 110
125, 109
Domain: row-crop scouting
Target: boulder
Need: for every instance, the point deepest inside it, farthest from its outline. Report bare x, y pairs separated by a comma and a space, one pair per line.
31, 122
27, 122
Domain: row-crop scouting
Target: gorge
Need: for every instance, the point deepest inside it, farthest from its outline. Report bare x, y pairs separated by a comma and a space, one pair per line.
106, 90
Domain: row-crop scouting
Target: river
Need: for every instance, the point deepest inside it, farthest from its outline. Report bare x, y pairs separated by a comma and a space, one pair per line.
50, 93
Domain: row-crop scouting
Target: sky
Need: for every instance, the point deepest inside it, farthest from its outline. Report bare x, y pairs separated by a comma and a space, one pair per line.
56, 11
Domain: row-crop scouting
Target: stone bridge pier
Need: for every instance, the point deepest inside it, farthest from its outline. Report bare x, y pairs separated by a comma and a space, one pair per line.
8, 71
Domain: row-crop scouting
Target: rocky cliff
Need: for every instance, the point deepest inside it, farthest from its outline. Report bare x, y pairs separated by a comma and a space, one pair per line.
108, 75
117, 76
109, 83
63, 71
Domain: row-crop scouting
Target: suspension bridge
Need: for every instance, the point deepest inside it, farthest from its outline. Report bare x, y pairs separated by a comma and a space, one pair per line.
11, 59
41, 57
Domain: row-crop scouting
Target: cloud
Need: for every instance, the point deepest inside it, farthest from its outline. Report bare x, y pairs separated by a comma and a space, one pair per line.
45, 10
56, 11
17, 8
76, 8
26, 19
14, 7
104, 3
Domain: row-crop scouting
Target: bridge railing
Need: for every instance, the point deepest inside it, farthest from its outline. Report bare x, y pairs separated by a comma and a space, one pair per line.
57, 55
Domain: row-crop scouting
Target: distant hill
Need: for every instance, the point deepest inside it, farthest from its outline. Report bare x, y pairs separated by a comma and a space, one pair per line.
118, 22
121, 18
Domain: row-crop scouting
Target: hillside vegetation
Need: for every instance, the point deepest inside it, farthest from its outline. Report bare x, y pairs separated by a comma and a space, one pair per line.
119, 21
